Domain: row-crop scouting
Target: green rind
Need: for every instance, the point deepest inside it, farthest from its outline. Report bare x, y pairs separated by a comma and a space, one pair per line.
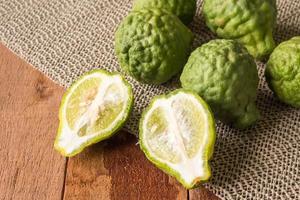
283, 72
183, 9
250, 22
101, 137
209, 145
219, 71
152, 45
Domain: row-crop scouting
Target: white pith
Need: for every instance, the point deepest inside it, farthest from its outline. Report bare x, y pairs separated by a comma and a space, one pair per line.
190, 169
69, 140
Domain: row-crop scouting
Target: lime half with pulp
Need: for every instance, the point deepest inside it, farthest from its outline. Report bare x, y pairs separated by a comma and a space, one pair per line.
177, 134
93, 109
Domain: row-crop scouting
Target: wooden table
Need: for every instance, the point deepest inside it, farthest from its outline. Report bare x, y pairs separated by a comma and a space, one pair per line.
31, 169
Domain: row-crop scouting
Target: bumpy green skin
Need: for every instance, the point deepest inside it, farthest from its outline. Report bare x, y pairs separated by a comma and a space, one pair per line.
283, 72
224, 74
183, 9
152, 45
250, 21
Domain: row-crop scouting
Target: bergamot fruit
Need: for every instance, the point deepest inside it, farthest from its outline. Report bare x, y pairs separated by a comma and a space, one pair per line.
224, 74
183, 9
93, 109
283, 72
251, 22
152, 45
177, 134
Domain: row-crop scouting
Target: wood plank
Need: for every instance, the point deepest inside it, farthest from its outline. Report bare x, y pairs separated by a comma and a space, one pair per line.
202, 194
117, 169
29, 167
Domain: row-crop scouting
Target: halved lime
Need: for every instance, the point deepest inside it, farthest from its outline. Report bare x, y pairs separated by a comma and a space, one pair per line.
93, 109
177, 134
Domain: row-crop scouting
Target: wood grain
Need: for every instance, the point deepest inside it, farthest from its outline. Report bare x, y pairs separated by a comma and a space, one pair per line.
29, 167
117, 169
202, 194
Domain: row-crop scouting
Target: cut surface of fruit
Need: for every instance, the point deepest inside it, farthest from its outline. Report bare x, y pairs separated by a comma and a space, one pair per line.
92, 110
177, 134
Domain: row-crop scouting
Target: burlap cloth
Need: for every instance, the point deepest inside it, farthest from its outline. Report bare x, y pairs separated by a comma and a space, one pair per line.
64, 39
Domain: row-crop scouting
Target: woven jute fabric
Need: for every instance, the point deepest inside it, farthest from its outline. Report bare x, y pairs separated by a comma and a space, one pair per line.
65, 39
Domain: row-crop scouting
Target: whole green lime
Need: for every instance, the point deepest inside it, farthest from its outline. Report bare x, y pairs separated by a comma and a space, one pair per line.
251, 22
183, 9
283, 72
152, 45
224, 74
